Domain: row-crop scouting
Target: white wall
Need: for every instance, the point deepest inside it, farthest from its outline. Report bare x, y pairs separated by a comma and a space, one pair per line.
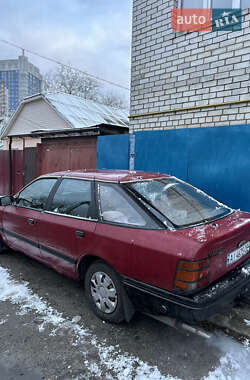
37, 115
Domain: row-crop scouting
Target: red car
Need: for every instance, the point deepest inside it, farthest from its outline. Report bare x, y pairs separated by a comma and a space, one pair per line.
138, 241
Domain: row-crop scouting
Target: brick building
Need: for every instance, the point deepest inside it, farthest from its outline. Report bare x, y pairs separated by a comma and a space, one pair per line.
188, 79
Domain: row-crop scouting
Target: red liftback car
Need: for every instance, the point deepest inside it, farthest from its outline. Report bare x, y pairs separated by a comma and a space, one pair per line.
145, 241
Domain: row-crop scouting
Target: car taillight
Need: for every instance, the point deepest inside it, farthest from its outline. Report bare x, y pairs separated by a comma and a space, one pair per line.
191, 275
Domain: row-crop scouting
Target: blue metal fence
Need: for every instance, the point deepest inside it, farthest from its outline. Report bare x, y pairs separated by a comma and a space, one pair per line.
113, 152
215, 159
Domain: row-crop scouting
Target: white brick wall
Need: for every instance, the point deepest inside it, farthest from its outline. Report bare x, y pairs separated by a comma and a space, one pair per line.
175, 70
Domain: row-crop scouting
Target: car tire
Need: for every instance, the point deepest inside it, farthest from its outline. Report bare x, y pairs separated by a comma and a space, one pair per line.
2, 246
104, 292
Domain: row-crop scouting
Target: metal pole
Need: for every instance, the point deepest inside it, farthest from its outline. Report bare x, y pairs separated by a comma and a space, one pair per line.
10, 166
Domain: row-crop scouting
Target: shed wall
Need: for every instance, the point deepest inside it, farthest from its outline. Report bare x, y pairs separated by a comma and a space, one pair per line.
37, 115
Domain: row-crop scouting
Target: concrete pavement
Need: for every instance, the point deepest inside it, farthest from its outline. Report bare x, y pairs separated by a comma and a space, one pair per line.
235, 322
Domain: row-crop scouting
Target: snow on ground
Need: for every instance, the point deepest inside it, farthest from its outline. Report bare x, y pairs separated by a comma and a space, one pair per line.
247, 322
124, 366
234, 361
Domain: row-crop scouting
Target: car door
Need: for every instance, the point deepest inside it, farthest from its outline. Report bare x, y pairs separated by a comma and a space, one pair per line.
21, 219
66, 228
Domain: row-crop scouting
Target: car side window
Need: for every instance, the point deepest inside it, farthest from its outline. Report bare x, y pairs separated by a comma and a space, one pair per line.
36, 194
116, 208
73, 197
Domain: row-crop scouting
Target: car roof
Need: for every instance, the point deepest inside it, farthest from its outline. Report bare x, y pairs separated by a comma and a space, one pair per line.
108, 175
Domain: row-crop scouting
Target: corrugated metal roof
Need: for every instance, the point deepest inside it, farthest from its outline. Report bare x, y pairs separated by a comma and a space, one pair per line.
85, 113
78, 112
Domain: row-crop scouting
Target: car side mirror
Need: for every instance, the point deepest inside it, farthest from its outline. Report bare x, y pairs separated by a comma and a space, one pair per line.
6, 200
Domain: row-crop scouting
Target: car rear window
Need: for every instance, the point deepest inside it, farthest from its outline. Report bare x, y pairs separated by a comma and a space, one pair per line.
179, 202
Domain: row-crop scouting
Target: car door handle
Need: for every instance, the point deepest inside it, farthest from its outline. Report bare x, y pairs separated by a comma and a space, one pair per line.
80, 234
31, 221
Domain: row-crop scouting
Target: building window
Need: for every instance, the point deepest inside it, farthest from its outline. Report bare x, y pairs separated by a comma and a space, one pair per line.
214, 4
222, 4
192, 4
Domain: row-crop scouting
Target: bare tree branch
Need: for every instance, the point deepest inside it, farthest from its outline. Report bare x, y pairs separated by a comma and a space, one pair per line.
70, 81
113, 100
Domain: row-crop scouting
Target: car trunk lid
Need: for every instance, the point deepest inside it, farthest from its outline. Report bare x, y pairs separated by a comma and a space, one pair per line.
225, 241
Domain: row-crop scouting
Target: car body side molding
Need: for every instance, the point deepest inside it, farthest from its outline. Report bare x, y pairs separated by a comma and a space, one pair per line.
43, 247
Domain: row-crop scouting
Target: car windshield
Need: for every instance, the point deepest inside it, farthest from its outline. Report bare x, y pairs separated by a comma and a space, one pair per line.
180, 203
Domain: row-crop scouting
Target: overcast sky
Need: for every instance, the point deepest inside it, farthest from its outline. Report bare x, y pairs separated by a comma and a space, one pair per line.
93, 35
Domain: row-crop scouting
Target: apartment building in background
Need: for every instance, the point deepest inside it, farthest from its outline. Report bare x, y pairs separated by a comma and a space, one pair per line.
188, 79
18, 78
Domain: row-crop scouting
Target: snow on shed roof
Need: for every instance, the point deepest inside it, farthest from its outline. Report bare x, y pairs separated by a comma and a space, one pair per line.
82, 113
78, 112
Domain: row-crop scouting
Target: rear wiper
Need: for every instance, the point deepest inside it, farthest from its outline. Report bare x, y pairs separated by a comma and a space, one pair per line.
146, 202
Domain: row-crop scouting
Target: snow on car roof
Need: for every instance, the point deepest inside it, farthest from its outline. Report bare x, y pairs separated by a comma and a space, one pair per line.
109, 175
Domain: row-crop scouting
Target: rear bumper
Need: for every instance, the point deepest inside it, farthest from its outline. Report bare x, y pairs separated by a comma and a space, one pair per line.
217, 298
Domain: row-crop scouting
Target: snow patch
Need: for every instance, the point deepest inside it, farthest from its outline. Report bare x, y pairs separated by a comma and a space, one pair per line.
114, 364
221, 286
246, 270
199, 233
235, 363
124, 366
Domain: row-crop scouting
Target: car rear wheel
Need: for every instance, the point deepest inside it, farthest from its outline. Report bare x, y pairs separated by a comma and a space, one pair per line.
2, 246
104, 292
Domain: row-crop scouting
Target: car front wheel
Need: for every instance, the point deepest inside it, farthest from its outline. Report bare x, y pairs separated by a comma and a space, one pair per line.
104, 292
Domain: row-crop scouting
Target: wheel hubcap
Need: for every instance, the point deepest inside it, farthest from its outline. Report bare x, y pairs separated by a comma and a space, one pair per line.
103, 292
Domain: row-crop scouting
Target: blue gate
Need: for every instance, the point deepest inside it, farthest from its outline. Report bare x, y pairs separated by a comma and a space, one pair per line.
215, 159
